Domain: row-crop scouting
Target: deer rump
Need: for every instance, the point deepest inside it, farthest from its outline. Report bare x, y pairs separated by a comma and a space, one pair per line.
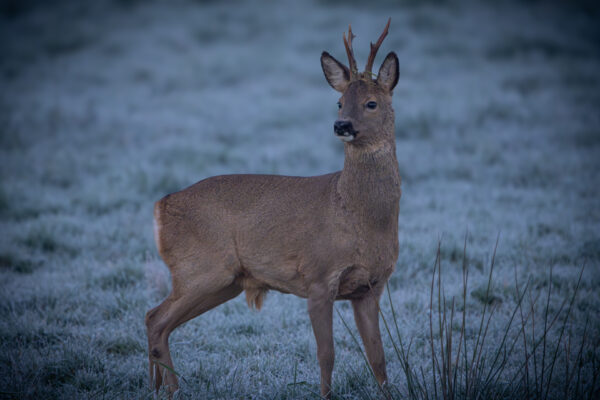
264, 233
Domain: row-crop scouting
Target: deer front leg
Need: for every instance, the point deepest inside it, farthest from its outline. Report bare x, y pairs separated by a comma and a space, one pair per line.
320, 310
366, 315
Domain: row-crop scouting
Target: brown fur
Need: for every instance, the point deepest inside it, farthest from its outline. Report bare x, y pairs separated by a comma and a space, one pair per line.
323, 238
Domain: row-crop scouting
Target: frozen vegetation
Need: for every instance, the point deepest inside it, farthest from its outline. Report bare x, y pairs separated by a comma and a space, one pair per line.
107, 106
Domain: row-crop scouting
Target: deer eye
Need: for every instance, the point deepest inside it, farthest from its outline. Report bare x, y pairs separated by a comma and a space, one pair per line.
339, 104
371, 105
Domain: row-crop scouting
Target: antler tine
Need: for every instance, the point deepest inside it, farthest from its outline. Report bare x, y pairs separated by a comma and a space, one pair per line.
375, 47
350, 52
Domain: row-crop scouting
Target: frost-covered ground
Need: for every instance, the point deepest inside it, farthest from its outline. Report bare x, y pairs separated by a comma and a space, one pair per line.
107, 106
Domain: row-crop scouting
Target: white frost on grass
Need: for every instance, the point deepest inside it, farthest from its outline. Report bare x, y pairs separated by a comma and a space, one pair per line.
105, 108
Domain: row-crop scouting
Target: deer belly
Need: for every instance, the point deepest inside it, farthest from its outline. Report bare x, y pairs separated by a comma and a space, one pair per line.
261, 274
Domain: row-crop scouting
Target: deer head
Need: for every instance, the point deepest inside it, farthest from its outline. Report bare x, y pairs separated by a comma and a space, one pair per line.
365, 109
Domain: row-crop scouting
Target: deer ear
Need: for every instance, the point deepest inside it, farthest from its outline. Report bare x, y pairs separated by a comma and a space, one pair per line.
336, 73
389, 72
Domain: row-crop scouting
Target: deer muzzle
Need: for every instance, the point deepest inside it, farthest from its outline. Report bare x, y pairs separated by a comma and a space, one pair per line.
344, 130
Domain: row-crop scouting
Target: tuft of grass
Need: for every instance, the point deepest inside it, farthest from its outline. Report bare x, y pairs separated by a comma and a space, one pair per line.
522, 360
124, 346
47, 239
246, 330
590, 250
485, 296
36, 338
42, 240
11, 262
452, 253
67, 366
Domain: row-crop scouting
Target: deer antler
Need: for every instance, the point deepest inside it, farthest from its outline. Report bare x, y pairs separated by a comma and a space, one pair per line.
350, 52
375, 47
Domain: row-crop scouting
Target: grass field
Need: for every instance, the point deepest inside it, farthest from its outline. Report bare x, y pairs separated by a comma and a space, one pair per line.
107, 106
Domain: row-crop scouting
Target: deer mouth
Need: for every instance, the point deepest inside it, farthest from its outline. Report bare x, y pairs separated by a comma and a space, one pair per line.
346, 136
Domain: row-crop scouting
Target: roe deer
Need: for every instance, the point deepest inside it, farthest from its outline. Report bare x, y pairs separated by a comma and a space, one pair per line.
323, 238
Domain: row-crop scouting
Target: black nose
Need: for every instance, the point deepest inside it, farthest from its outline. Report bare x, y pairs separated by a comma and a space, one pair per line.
340, 127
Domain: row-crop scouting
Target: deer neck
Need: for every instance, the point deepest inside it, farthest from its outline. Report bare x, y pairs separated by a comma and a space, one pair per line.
369, 184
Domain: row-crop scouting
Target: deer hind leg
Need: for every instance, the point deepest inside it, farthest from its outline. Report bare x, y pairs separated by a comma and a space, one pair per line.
187, 300
366, 315
158, 346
